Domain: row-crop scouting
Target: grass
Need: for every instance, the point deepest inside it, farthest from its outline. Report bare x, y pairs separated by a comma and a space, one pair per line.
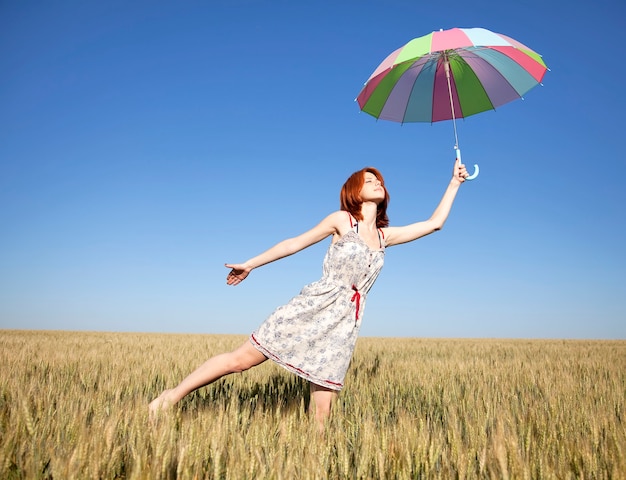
74, 405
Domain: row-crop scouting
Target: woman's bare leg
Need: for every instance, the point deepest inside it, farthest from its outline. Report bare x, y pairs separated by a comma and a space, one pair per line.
243, 358
322, 398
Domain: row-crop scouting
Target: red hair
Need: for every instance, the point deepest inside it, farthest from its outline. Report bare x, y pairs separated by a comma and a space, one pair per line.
351, 200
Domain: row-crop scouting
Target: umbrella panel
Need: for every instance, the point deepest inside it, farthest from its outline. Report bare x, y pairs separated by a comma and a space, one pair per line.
467, 90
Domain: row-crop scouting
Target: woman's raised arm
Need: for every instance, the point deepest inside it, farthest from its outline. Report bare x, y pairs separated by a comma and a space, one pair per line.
408, 233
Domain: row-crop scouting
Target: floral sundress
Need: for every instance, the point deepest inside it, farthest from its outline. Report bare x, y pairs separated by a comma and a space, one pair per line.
315, 333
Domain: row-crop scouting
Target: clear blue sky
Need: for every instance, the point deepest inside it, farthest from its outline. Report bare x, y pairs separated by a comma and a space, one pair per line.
145, 144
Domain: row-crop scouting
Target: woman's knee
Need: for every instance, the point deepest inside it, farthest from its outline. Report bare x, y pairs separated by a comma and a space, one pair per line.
245, 357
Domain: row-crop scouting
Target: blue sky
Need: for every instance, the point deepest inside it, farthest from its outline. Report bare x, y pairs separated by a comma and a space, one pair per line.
145, 144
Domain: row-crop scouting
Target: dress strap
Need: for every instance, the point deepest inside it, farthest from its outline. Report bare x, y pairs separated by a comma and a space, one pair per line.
353, 224
381, 237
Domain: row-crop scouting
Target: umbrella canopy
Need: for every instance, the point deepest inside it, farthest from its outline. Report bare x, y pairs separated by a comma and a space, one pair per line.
450, 74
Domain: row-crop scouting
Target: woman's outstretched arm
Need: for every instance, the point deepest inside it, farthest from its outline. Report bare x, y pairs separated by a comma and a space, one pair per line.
327, 227
408, 233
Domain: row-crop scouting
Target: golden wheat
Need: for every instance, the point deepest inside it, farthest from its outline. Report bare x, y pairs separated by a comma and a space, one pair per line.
74, 405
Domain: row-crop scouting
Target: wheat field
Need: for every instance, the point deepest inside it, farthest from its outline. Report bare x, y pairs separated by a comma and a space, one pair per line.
73, 405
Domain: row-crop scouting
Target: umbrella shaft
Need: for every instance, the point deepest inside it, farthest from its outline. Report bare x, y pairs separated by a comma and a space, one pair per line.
446, 67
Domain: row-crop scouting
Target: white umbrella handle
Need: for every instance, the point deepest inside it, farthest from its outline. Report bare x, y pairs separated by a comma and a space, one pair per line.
476, 169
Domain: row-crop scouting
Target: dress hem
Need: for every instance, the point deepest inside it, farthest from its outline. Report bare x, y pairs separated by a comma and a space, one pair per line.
292, 368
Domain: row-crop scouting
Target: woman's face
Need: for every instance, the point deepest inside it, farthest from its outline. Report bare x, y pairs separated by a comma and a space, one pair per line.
373, 189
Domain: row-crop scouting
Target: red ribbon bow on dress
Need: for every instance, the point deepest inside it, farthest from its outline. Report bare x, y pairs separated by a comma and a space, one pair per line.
356, 297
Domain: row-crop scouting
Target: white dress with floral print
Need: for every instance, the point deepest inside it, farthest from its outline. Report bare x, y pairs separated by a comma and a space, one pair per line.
314, 335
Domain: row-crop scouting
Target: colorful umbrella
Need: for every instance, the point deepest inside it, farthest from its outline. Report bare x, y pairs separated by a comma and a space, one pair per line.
451, 74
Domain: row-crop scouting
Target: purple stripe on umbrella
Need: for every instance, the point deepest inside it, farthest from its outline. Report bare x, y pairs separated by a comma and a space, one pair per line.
498, 89
518, 77
420, 106
396, 105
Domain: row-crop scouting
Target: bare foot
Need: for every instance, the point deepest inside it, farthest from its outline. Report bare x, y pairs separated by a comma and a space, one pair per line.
160, 404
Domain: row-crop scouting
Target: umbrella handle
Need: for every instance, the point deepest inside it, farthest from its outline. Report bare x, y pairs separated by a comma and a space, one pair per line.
476, 169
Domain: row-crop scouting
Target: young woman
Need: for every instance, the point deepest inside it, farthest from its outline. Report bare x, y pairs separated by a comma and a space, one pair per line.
315, 333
